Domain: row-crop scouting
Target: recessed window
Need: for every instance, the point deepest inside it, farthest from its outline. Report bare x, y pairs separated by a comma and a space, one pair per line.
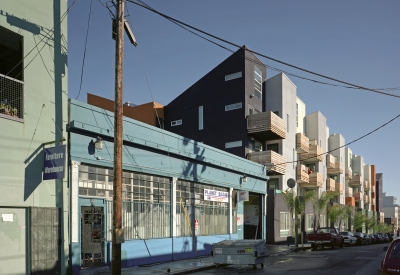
273, 184
201, 122
11, 74
233, 106
233, 76
284, 224
233, 144
273, 147
176, 122
257, 82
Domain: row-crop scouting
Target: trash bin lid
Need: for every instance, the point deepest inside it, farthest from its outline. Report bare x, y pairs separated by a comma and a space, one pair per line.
240, 243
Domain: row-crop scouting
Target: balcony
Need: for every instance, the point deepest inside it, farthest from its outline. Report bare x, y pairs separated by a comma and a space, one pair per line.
314, 154
348, 173
372, 201
350, 201
330, 161
349, 192
372, 195
265, 157
11, 97
302, 143
372, 188
356, 181
337, 168
358, 196
366, 185
266, 126
366, 199
330, 185
302, 176
316, 180
339, 188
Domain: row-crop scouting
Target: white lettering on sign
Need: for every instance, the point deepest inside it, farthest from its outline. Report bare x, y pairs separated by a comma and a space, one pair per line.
7, 217
214, 195
55, 156
53, 169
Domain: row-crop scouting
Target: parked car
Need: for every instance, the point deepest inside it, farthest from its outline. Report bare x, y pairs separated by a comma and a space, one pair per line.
348, 238
389, 237
373, 239
391, 261
360, 238
378, 238
386, 237
367, 238
325, 236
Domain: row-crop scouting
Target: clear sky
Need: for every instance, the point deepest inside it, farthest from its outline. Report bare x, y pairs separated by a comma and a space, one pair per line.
355, 41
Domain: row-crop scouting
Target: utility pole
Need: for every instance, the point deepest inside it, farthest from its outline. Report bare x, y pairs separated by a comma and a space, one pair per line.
118, 231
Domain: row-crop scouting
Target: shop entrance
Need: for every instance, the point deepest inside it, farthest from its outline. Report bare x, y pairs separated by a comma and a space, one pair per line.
92, 236
252, 218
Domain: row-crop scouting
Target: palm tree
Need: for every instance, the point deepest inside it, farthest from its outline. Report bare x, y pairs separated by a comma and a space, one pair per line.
334, 213
346, 214
358, 221
301, 205
320, 203
290, 199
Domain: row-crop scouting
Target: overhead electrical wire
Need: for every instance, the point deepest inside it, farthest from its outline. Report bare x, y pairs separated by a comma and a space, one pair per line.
84, 52
260, 63
142, 4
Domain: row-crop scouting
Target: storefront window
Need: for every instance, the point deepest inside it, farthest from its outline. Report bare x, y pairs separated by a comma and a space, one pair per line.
204, 215
285, 224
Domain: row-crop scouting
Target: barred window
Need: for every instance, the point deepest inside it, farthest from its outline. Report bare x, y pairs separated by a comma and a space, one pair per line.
195, 213
146, 208
11, 74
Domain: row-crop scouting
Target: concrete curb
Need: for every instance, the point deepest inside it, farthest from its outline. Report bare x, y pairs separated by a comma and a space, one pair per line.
193, 270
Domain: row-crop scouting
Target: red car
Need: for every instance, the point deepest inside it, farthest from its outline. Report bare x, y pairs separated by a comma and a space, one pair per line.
391, 262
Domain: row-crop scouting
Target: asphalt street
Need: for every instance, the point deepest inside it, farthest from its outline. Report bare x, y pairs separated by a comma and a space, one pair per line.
358, 260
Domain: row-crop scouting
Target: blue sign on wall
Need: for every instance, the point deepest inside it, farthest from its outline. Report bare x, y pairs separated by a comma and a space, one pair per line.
54, 163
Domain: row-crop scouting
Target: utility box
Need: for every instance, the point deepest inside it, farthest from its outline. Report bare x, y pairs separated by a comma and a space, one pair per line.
241, 252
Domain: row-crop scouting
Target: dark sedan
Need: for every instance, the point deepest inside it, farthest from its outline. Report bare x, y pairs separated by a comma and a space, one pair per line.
391, 261
360, 238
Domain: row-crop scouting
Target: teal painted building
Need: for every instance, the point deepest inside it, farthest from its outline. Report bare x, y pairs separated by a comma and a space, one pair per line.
33, 115
179, 196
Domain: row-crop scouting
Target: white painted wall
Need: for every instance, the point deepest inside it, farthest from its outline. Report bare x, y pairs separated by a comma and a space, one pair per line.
337, 141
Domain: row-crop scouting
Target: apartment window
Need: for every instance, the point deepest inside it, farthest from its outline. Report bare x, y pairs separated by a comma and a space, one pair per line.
11, 74
284, 224
273, 184
233, 76
287, 123
322, 221
233, 144
176, 122
233, 106
251, 110
297, 115
257, 82
276, 113
273, 147
201, 123
309, 223
255, 145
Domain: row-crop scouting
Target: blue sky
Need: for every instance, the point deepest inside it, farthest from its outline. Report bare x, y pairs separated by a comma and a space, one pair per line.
355, 41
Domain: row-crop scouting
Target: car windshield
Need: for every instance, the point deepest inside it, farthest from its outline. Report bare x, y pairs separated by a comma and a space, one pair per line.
344, 233
325, 230
395, 250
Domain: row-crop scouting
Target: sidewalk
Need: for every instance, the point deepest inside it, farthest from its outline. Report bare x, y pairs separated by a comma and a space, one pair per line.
185, 266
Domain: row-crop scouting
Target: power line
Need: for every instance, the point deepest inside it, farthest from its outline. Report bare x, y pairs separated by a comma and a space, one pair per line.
52, 30
84, 52
259, 54
347, 144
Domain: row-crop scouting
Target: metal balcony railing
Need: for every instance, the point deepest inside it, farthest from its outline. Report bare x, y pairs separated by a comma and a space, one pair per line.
11, 98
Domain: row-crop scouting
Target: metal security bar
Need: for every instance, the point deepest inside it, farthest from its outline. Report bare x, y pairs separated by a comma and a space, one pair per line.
11, 97
142, 220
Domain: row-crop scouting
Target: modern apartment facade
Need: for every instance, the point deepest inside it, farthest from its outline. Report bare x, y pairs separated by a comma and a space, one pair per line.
33, 114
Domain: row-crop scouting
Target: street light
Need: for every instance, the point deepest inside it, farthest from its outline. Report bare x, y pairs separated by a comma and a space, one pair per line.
98, 144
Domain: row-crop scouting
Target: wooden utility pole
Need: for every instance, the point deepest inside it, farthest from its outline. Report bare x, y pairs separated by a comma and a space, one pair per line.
118, 232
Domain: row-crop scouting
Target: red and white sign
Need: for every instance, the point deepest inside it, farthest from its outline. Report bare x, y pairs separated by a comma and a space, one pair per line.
196, 224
